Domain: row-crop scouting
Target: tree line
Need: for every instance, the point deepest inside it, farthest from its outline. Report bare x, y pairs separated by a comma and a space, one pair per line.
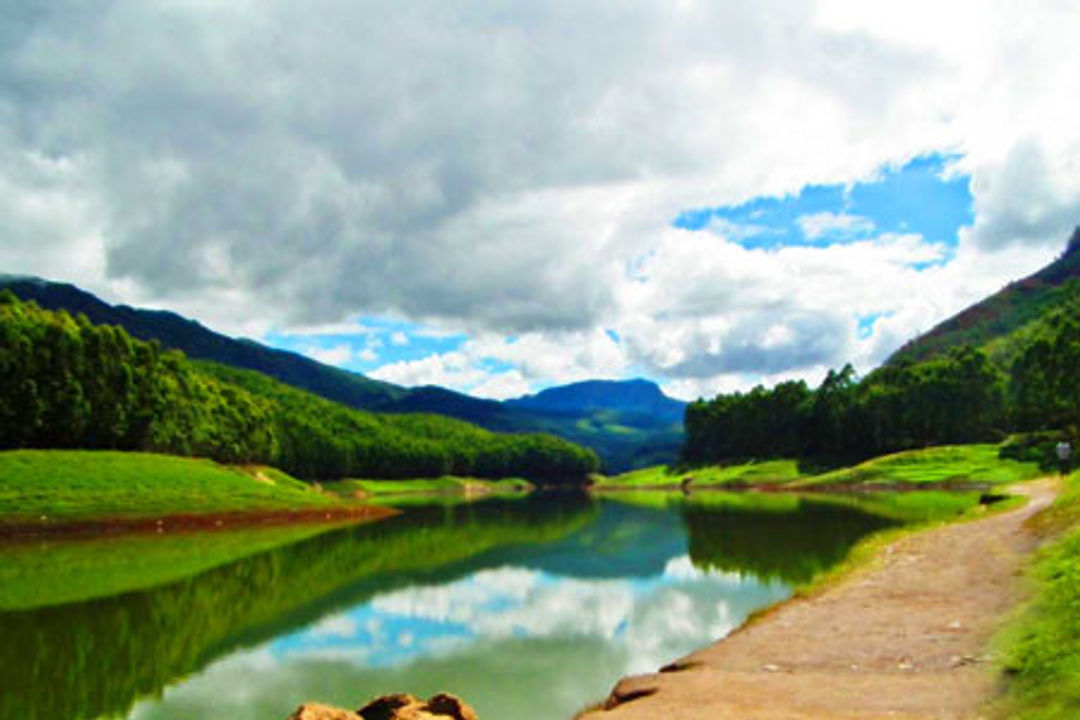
67, 383
958, 397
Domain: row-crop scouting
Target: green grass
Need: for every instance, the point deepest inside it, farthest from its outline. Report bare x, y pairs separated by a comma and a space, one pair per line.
906, 507
1041, 645
446, 485
960, 464
939, 465
751, 473
74, 485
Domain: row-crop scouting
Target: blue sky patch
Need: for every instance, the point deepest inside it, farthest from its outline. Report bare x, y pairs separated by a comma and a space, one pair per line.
915, 198
375, 342
866, 324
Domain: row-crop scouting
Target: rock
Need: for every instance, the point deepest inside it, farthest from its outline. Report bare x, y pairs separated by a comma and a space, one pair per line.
315, 711
630, 689
451, 706
387, 707
400, 706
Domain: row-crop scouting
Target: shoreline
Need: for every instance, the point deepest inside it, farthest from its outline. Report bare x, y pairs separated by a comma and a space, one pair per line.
191, 522
826, 489
904, 633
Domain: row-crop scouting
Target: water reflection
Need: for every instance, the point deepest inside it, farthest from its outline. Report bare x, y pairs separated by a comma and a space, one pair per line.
527, 608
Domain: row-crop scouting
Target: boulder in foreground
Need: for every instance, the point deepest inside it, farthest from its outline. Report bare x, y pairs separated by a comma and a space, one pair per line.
398, 706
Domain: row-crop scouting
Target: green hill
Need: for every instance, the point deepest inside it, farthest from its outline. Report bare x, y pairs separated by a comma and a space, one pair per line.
198, 342
1000, 323
1005, 366
41, 487
627, 423
67, 383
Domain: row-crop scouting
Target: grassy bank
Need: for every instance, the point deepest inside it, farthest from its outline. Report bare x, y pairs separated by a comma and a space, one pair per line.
1041, 646
945, 465
59, 486
450, 486
939, 466
767, 472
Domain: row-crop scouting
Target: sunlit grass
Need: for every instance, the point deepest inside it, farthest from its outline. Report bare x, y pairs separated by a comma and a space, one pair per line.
450, 485
961, 464
1041, 646
750, 473
68, 485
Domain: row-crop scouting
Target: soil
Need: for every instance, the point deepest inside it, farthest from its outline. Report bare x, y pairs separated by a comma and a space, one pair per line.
192, 522
904, 637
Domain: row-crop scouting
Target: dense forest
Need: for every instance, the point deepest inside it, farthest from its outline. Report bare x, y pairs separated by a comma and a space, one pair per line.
67, 383
956, 397
628, 423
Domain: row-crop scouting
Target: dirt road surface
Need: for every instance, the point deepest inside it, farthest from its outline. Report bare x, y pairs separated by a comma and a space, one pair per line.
904, 638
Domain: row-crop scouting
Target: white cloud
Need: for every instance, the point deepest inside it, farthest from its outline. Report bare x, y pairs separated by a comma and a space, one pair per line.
737, 231
450, 369
334, 626
533, 358
503, 385
505, 173
820, 224
339, 354
399, 338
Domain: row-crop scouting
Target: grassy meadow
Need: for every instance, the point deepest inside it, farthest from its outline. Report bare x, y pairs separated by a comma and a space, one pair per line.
76, 485
366, 489
937, 466
1041, 645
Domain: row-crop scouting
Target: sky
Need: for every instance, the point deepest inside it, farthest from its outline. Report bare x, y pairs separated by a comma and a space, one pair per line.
497, 197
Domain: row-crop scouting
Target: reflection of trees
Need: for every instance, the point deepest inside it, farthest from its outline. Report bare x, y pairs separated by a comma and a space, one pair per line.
96, 658
790, 545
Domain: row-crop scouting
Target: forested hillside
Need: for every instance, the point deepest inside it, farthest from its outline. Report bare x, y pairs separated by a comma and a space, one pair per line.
67, 383
954, 399
629, 424
1010, 364
999, 323
195, 341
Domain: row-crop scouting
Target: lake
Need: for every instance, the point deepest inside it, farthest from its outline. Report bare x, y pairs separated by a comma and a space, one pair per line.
528, 608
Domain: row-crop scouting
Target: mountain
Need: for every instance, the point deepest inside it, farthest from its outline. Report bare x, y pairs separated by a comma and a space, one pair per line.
623, 433
625, 396
628, 423
999, 322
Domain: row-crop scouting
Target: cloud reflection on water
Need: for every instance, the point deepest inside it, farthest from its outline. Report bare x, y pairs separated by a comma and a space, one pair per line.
512, 640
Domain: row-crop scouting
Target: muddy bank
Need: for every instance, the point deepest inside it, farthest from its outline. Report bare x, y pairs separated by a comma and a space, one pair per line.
904, 637
191, 522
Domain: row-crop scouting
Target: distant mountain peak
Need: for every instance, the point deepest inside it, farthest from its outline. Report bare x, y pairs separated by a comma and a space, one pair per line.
634, 395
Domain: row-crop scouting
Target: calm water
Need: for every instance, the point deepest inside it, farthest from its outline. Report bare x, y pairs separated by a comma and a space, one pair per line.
527, 608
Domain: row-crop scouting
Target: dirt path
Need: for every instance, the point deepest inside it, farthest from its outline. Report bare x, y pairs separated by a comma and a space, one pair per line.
902, 639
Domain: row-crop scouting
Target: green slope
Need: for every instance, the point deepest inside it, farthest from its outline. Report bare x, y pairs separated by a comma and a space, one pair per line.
198, 342
67, 485
67, 383
999, 323
630, 424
